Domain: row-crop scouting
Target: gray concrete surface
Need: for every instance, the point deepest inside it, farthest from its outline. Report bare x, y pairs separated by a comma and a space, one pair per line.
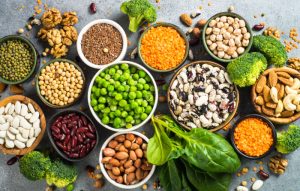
280, 13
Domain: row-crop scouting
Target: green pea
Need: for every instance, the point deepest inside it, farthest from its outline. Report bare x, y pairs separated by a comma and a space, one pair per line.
152, 88
125, 95
100, 107
127, 87
118, 113
134, 105
139, 110
142, 73
118, 97
132, 88
94, 89
114, 102
131, 82
143, 116
140, 86
146, 87
132, 95
148, 109
129, 119
127, 71
110, 88
128, 125
117, 122
142, 81
148, 79
122, 78
139, 101
105, 84
121, 88
123, 103
106, 110
126, 76
135, 76
105, 120
124, 114
103, 91
127, 107
111, 81
113, 108
102, 100
97, 92
94, 102
98, 79
117, 76
95, 108
107, 76
102, 74
136, 116
137, 121
144, 103
132, 69
117, 84
124, 66
139, 94
112, 71
112, 115
116, 67
131, 113
120, 72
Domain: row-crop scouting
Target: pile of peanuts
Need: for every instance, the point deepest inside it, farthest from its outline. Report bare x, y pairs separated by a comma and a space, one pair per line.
125, 159
227, 37
60, 83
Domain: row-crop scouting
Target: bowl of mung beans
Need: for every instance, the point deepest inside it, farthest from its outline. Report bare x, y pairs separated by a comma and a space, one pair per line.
163, 47
122, 96
18, 59
60, 83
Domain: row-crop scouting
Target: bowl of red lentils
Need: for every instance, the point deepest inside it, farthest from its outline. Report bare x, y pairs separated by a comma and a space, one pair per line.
163, 47
253, 136
101, 42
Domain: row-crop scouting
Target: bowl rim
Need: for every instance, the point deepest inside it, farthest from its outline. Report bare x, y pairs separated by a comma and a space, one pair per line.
135, 126
123, 186
33, 50
164, 24
229, 118
43, 125
271, 125
62, 154
38, 87
87, 27
232, 15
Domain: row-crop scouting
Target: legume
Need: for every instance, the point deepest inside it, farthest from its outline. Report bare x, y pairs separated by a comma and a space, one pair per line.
253, 137
163, 48
16, 60
122, 96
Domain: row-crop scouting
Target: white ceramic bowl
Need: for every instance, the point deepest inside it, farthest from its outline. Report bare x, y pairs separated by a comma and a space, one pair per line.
107, 21
103, 170
135, 126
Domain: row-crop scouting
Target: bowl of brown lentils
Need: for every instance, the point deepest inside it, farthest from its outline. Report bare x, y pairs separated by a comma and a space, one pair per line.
227, 36
60, 83
18, 59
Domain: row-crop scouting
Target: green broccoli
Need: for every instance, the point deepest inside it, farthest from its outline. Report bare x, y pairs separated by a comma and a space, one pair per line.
271, 48
138, 11
61, 174
245, 70
34, 165
289, 140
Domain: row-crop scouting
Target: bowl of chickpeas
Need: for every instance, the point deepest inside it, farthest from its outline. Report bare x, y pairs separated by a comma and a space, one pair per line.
227, 36
122, 96
60, 83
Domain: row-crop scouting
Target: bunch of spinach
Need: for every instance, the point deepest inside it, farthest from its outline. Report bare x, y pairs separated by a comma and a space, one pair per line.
206, 157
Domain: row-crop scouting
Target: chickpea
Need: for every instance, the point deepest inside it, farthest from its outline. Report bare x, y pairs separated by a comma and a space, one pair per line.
221, 54
218, 19
212, 37
225, 42
240, 50
227, 36
234, 55
213, 46
215, 52
216, 31
242, 23
230, 51
236, 25
219, 37
212, 23
223, 31
245, 43
230, 20
247, 36
220, 25
244, 30
208, 42
223, 19
230, 29
231, 43
237, 41
226, 25
237, 32
226, 56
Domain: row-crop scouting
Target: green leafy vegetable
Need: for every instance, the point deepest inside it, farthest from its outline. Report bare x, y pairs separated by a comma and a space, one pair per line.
271, 48
289, 140
245, 70
138, 11
169, 177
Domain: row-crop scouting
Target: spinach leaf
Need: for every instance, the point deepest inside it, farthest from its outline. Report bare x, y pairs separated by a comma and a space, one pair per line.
169, 177
206, 180
185, 184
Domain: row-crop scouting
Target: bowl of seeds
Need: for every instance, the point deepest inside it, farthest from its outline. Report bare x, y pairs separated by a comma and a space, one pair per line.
101, 42
18, 59
60, 83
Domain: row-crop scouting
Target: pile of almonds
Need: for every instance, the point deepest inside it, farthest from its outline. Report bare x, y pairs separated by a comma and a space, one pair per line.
125, 159
278, 93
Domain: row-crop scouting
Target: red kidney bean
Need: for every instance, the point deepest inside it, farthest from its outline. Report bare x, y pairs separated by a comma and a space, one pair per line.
86, 141
91, 128
80, 123
73, 131
58, 119
62, 137
82, 151
69, 146
84, 120
73, 155
12, 160
58, 124
71, 115
55, 129
93, 143
65, 130
64, 148
93, 8
67, 139
88, 147
82, 129
90, 135
83, 135
80, 139
74, 141
56, 136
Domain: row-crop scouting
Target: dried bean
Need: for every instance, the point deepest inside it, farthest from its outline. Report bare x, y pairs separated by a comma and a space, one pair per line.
93, 8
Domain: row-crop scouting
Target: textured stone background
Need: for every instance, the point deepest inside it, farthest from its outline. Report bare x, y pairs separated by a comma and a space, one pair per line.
14, 13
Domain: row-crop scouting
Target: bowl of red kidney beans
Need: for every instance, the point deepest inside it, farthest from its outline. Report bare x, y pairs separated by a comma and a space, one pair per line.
72, 134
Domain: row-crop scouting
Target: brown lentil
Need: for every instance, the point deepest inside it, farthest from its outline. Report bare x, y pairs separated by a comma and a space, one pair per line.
102, 44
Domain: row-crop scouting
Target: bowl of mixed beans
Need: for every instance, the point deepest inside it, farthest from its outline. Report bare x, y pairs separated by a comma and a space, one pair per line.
163, 47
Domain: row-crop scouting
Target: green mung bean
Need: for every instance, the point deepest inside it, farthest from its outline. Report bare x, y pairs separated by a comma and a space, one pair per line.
16, 60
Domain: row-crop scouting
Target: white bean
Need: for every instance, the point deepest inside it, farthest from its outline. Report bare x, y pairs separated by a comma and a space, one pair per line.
25, 133
13, 130
31, 132
31, 108
8, 118
4, 127
24, 110
221, 54
11, 109
36, 124
213, 46
34, 117
10, 135
216, 30
7, 108
18, 107
28, 116
16, 122
24, 123
244, 30
37, 131
1, 141
30, 142
212, 37
1, 110
19, 144
20, 138
2, 134
9, 143
2, 120
209, 42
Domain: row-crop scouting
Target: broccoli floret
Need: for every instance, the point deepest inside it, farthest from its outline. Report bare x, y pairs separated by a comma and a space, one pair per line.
138, 11
245, 70
271, 48
34, 165
289, 140
61, 174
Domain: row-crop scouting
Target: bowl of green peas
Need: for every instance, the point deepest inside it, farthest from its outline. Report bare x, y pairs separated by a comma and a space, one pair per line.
122, 96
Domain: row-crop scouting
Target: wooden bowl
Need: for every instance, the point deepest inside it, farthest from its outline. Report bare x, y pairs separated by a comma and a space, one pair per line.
25, 100
278, 120
229, 118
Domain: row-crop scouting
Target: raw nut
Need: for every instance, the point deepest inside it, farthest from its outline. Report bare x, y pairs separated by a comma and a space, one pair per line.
119, 180
2, 87
114, 162
51, 18
134, 146
16, 89
121, 155
106, 159
279, 107
139, 174
132, 155
259, 100
287, 113
196, 33
186, 19
120, 138
127, 143
267, 111
108, 152
284, 75
129, 178
266, 94
129, 170
201, 22
271, 105
111, 175
261, 84
272, 79
128, 164
278, 164
257, 185
69, 19
281, 92
116, 171
274, 94
130, 136
263, 175
42, 34
112, 144
59, 50
286, 81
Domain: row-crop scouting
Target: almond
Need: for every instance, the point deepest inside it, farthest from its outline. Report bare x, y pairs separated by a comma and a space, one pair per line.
139, 174
132, 155
267, 111
281, 92
286, 81
260, 84
273, 79
266, 94
271, 105
287, 113
108, 152
259, 100
114, 162
283, 74
121, 155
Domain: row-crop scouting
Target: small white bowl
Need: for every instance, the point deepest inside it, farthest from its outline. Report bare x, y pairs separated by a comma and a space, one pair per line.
103, 170
87, 27
136, 126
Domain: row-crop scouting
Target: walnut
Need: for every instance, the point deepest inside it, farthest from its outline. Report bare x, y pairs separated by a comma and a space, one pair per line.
69, 32
42, 34
278, 164
51, 18
59, 50
54, 37
69, 19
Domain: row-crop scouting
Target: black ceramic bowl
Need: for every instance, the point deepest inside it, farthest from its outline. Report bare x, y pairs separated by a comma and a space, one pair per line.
263, 119
59, 150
